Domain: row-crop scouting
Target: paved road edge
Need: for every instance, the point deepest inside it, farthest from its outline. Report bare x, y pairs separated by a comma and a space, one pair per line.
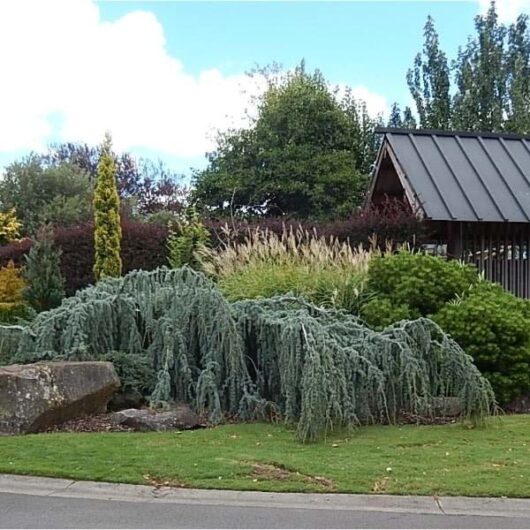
53, 487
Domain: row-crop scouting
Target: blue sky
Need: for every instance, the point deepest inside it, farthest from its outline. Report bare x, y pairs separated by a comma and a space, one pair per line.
163, 76
359, 43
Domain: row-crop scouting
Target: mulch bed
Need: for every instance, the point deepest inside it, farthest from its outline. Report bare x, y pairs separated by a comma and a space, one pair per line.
104, 423
97, 423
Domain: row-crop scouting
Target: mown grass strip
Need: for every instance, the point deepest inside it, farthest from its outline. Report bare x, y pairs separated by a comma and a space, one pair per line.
427, 460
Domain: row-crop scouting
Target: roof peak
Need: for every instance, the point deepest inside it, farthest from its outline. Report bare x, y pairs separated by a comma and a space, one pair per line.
439, 132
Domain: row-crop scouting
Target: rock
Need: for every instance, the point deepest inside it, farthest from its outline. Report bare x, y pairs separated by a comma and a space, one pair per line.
131, 399
35, 397
178, 418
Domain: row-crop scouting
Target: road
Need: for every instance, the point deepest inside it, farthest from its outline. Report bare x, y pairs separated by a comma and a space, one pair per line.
26, 502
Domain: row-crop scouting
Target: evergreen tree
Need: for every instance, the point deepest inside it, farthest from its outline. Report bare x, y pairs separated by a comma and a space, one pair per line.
107, 228
395, 116
403, 120
42, 273
409, 121
429, 82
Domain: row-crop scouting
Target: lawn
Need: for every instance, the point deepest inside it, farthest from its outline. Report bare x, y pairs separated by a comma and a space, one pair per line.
443, 460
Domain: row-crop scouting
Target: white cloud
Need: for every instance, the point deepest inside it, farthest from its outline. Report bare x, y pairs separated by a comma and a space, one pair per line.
62, 64
375, 103
69, 75
508, 10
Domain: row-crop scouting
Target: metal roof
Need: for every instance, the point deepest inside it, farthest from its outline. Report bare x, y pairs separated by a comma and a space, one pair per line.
465, 176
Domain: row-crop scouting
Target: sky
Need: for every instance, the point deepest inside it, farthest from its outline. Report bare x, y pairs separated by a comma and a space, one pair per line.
164, 76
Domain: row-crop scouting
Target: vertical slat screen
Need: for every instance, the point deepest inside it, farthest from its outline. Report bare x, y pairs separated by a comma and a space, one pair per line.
501, 252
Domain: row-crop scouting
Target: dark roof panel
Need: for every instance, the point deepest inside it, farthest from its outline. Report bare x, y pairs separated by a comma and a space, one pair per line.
466, 176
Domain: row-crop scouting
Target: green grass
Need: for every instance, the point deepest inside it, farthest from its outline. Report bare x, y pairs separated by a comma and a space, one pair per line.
443, 460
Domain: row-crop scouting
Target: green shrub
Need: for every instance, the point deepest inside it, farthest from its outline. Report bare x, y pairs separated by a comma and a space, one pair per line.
45, 288
493, 326
12, 312
317, 368
424, 283
136, 372
185, 239
381, 312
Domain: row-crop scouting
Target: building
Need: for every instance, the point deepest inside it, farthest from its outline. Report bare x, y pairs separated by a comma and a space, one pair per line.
471, 189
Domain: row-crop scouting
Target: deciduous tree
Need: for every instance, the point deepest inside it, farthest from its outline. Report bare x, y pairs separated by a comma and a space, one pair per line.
307, 154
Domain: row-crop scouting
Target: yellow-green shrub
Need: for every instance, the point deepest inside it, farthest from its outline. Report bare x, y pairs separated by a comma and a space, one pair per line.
11, 284
12, 307
9, 227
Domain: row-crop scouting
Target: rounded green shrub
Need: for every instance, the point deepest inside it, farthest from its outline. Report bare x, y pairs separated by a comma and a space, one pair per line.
135, 371
381, 312
493, 326
424, 283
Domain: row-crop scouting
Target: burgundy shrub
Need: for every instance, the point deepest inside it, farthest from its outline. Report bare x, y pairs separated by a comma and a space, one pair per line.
14, 252
143, 247
392, 221
144, 244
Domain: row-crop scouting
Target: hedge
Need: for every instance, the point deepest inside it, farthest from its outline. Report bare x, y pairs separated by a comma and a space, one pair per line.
391, 222
143, 247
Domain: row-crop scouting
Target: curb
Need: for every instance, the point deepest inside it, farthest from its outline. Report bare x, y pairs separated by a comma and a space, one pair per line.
53, 487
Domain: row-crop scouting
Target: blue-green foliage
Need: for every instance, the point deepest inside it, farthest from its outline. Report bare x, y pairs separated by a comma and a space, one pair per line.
317, 368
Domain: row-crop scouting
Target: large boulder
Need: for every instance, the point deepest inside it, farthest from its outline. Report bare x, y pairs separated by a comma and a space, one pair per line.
179, 418
35, 397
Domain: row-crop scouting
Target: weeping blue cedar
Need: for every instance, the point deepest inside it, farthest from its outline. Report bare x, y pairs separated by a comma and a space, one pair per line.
318, 369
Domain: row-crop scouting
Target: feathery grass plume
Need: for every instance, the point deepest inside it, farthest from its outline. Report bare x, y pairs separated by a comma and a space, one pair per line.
318, 368
325, 271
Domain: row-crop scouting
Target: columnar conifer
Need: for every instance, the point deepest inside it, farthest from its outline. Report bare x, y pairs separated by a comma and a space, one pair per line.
107, 229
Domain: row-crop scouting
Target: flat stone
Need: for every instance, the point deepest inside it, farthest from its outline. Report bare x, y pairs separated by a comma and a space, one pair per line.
35, 397
179, 418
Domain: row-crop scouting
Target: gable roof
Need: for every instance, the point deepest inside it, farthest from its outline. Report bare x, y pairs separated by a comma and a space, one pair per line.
463, 176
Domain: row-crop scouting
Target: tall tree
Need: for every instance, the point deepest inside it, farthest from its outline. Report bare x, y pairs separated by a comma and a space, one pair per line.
107, 229
518, 77
481, 77
429, 82
307, 154
40, 194
148, 186
400, 119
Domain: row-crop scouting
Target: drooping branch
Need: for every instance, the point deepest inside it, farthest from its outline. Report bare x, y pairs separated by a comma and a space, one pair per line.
319, 369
